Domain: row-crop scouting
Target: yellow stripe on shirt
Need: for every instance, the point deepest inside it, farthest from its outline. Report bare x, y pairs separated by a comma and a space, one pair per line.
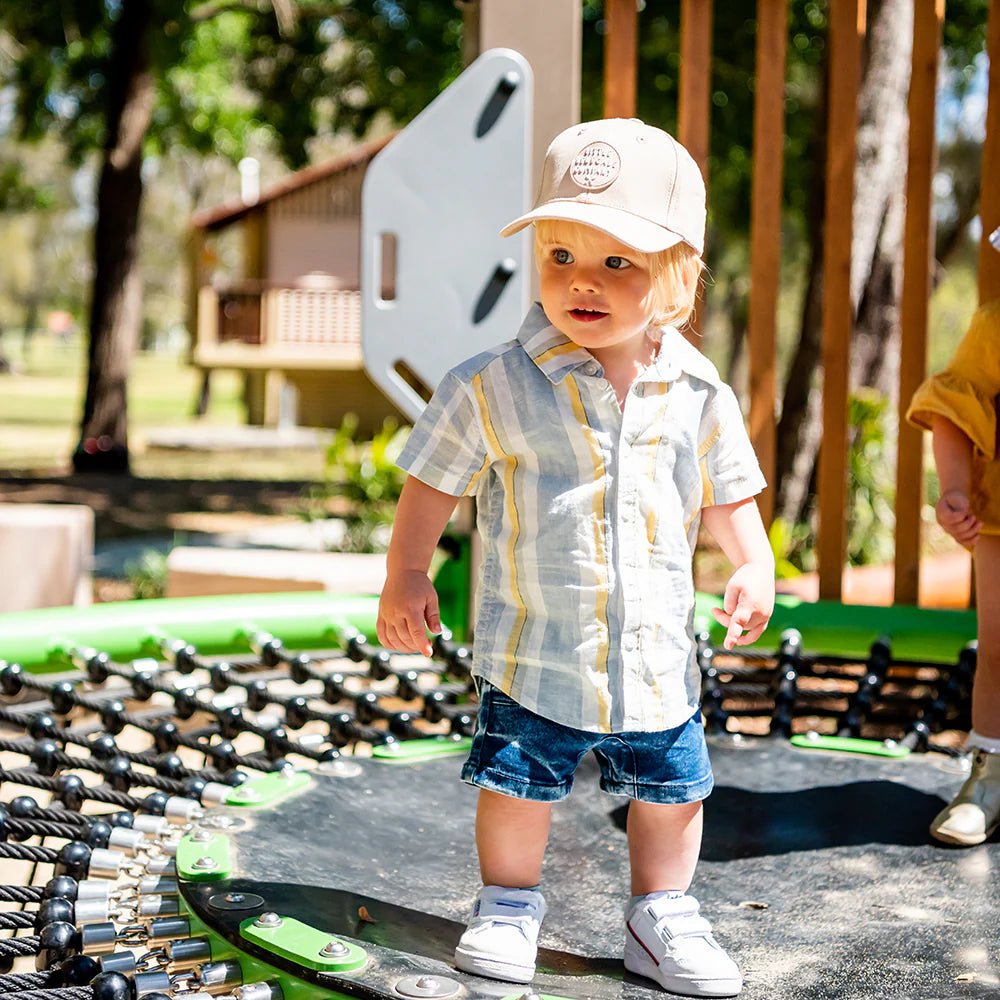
513, 519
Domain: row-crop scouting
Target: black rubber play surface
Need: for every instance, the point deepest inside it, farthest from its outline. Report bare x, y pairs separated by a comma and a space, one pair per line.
817, 873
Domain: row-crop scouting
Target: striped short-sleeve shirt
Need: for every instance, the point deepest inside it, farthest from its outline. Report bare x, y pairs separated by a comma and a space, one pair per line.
589, 515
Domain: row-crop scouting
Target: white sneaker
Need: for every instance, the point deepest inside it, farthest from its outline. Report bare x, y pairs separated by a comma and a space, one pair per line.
501, 939
666, 940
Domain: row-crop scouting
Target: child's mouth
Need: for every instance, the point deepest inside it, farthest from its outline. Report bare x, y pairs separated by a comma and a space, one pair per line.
587, 315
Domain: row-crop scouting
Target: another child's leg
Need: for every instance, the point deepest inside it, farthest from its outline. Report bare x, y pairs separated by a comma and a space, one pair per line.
511, 835
986, 693
664, 842
974, 813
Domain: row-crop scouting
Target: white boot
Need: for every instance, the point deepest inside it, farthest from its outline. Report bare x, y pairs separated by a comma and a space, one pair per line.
974, 813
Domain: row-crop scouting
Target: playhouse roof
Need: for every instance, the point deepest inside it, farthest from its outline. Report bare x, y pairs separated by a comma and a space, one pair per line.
225, 215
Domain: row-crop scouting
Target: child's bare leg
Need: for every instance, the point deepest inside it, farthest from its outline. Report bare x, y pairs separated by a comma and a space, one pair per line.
974, 813
511, 835
663, 842
986, 692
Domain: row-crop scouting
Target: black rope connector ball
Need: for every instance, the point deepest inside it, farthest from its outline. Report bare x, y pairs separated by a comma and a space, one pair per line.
73, 860
56, 942
114, 986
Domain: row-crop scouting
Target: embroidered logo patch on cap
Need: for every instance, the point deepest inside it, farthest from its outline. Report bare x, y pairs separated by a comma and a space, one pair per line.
595, 166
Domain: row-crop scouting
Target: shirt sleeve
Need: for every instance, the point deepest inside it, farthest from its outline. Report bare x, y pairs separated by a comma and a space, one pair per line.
966, 391
729, 468
445, 449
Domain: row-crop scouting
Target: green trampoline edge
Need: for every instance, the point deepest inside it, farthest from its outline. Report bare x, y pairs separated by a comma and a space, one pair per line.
44, 639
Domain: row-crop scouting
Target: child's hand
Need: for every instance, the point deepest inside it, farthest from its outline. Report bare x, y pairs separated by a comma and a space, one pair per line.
954, 514
407, 608
747, 604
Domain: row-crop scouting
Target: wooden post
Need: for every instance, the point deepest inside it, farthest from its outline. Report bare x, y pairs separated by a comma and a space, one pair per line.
765, 236
845, 31
620, 44
989, 195
694, 90
918, 249
694, 100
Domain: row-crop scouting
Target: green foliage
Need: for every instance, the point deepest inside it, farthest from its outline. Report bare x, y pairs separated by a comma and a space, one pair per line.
871, 475
786, 540
147, 575
364, 476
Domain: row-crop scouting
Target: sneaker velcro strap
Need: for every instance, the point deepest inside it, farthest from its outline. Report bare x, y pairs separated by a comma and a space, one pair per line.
682, 925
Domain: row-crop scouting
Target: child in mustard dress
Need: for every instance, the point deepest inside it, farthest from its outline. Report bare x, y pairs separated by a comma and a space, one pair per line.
959, 407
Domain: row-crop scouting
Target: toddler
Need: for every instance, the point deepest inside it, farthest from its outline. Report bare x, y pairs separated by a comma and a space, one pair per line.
595, 442
959, 407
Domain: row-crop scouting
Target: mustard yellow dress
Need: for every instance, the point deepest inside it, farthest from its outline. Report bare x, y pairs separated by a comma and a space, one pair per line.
966, 393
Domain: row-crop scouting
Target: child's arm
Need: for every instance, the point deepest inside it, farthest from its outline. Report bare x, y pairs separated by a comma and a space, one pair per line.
749, 598
409, 603
953, 458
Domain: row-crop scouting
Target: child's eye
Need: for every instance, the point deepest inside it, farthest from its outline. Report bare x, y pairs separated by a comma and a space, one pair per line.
562, 256
617, 263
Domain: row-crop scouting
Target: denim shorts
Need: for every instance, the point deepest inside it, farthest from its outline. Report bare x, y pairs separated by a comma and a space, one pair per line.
518, 753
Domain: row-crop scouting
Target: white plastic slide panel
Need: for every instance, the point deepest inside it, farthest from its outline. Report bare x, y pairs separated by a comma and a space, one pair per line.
438, 283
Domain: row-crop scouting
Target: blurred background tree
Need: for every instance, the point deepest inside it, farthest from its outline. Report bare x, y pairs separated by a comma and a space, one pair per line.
143, 77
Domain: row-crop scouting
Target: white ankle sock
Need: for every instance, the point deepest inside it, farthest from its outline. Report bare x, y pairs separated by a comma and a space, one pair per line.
987, 743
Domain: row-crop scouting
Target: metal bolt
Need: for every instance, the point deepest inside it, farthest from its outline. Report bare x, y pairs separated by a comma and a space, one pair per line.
205, 864
235, 897
268, 920
202, 836
334, 949
427, 983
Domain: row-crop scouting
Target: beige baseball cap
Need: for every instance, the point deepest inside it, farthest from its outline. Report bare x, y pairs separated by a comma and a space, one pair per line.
630, 180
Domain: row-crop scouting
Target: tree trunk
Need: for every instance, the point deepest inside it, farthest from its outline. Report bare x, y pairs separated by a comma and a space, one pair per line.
876, 254
116, 303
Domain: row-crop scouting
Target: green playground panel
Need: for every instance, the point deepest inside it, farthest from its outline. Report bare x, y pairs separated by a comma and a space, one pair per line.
223, 626
929, 634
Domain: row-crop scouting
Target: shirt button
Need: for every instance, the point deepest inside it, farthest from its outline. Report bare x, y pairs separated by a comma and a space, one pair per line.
628, 642
590, 368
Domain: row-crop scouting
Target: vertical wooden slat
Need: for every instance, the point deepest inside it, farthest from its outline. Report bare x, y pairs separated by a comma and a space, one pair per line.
989, 195
846, 19
765, 235
694, 90
928, 18
694, 101
620, 58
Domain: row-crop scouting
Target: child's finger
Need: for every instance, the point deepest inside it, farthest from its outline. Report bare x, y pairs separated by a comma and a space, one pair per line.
738, 623
721, 616
417, 636
393, 639
752, 634
432, 614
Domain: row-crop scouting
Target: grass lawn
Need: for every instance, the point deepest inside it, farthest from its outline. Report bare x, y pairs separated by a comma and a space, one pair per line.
41, 403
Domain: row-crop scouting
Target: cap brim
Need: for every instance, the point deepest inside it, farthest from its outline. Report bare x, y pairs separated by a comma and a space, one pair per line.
640, 234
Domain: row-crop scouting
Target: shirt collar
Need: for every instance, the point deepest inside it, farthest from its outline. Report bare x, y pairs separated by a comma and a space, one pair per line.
556, 355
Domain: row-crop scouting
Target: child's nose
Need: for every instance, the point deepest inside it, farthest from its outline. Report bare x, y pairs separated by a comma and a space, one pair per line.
585, 280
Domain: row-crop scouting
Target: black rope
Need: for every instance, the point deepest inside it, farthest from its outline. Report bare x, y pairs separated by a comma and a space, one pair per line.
26, 852
21, 894
55, 993
14, 921
24, 981
21, 829
18, 947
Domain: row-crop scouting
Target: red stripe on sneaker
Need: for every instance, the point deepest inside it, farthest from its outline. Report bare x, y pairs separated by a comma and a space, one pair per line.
642, 944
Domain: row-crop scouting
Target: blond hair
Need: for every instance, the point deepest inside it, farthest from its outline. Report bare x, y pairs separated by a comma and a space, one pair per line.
675, 273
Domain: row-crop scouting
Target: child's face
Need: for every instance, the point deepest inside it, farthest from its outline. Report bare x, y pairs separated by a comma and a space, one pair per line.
594, 289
